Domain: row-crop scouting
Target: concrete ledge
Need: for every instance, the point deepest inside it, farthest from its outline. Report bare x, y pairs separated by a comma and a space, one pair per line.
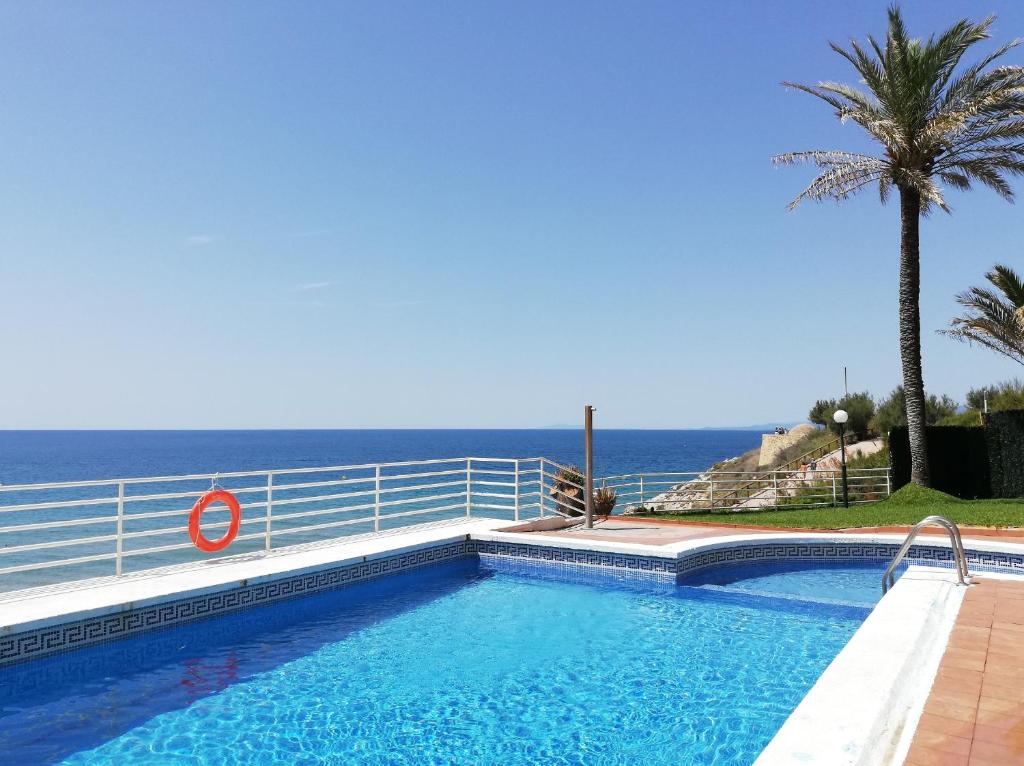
543, 525
866, 704
26, 611
48, 619
22, 611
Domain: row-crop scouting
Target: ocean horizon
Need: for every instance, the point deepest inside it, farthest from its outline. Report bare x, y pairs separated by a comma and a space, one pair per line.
37, 456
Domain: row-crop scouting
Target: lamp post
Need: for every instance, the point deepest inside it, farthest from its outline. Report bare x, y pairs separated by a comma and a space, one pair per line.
841, 416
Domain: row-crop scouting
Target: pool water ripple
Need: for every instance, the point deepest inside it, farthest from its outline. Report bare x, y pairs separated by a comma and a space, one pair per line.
455, 663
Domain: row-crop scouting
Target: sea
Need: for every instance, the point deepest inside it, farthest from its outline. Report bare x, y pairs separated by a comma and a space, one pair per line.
52, 456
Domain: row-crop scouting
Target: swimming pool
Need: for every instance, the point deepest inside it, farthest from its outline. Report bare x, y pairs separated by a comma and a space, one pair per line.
855, 583
461, 662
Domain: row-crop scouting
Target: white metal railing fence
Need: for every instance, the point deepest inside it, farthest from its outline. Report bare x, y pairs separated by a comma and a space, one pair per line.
689, 492
65, 531
75, 530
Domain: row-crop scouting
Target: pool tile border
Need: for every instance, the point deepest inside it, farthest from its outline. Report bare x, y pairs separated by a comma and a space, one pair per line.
578, 557
54, 639
751, 552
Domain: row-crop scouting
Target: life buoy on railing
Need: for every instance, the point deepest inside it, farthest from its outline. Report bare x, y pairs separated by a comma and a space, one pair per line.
214, 496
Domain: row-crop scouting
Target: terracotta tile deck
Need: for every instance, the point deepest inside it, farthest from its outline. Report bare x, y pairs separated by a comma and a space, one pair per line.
974, 715
629, 531
649, 531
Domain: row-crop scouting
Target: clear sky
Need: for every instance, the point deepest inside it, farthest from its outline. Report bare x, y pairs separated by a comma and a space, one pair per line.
461, 214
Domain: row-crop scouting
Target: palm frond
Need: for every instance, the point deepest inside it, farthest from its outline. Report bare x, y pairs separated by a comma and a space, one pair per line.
993, 318
844, 175
938, 123
1009, 283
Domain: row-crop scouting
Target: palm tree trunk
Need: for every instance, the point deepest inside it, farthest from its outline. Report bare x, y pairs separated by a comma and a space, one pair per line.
910, 332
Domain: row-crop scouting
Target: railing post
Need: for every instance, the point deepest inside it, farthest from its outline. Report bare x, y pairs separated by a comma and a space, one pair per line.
540, 488
120, 527
641, 490
775, 488
888, 482
516, 516
376, 499
270, 504
711, 493
835, 499
469, 486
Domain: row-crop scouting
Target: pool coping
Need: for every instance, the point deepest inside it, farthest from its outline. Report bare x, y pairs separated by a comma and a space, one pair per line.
36, 609
22, 611
863, 710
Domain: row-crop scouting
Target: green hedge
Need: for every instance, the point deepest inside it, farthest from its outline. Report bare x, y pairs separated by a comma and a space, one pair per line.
1004, 435
958, 460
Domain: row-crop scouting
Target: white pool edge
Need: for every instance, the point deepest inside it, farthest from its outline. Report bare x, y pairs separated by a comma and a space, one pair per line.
22, 611
864, 709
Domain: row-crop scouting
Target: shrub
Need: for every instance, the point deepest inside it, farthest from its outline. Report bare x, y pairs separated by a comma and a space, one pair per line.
966, 418
568, 491
821, 412
860, 407
878, 459
1002, 396
604, 501
958, 459
892, 411
998, 398
827, 492
1004, 435
911, 494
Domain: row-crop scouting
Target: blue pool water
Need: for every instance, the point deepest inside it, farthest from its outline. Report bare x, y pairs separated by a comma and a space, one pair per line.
850, 582
454, 664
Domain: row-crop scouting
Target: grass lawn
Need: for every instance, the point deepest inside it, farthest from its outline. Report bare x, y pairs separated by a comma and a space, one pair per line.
907, 506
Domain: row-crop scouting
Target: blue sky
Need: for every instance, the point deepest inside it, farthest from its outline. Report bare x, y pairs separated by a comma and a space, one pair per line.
451, 215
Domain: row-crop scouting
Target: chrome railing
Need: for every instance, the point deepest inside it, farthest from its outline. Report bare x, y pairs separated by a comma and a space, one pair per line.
76, 530
64, 531
959, 555
788, 467
668, 492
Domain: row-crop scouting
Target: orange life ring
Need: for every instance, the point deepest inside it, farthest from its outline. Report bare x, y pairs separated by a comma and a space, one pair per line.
213, 496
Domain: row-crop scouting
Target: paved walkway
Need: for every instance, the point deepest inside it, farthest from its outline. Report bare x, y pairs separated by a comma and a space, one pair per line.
974, 715
667, 531
647, 533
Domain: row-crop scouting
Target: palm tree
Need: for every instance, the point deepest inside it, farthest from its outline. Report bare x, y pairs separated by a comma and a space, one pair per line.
936, 124
994, 318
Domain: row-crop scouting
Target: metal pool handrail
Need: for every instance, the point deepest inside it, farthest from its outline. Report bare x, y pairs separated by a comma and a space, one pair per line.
959, 555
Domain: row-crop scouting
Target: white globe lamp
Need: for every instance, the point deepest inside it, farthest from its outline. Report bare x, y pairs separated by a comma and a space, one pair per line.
841, 416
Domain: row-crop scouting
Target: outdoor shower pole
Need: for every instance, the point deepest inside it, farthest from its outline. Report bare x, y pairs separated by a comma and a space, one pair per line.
588, 483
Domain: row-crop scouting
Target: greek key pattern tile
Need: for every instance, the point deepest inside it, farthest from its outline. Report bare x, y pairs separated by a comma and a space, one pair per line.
756, 552
573, 557
61, 638
794, 551
920, 554
520, 557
